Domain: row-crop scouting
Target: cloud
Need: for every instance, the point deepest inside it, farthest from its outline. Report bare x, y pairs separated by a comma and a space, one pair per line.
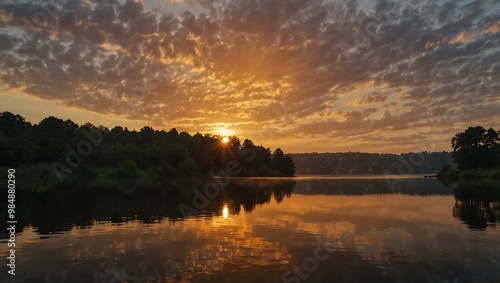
468, 35
331, 66
369, 99
5, 42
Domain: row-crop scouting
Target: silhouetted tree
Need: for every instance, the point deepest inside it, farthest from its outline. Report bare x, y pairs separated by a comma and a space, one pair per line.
13, 125
16, 140
53, 136
476, 147
283, 164
247, 144
146, 134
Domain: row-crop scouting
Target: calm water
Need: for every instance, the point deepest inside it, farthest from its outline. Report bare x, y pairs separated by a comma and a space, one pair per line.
306, 229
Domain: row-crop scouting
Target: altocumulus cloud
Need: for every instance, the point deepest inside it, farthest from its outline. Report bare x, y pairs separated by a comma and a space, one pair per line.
334, 70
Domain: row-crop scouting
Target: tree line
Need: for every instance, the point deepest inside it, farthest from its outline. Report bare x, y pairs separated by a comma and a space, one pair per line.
358, 163
125, 152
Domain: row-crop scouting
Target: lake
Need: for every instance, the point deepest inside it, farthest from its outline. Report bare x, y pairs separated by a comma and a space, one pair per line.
303, 229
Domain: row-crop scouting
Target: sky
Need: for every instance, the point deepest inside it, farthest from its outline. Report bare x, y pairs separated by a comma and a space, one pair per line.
307, 76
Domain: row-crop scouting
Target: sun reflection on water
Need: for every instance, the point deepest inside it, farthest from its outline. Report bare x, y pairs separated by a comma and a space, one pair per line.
225, 211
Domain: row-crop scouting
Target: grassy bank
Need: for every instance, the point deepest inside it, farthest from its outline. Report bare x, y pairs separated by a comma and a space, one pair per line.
448, 173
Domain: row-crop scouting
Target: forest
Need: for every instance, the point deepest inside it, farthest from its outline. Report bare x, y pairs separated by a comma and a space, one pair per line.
62, 147
348, 163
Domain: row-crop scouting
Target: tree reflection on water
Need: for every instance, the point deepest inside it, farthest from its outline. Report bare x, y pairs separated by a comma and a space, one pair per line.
53, 207
477, 203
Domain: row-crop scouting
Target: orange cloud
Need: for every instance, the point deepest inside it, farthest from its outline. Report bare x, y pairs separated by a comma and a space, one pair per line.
492, 28
466, 36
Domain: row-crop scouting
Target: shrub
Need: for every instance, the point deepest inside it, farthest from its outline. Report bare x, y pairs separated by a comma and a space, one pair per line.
444, 170
127, 169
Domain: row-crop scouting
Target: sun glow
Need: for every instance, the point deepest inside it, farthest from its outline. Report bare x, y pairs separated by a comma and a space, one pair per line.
222, 129
225, 139
225, 211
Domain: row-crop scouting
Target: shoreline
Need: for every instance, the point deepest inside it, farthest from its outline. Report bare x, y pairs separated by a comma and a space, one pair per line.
470, 174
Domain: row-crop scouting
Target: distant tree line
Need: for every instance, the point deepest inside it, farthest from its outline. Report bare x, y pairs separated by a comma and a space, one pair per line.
159, 152
351, 163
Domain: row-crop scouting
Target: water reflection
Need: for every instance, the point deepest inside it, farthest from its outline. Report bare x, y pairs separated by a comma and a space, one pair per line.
85, 203
53, 207
225, 211
379, 184
256, 230
477, 203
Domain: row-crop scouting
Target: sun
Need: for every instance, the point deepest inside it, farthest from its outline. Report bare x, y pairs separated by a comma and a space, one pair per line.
225, 139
